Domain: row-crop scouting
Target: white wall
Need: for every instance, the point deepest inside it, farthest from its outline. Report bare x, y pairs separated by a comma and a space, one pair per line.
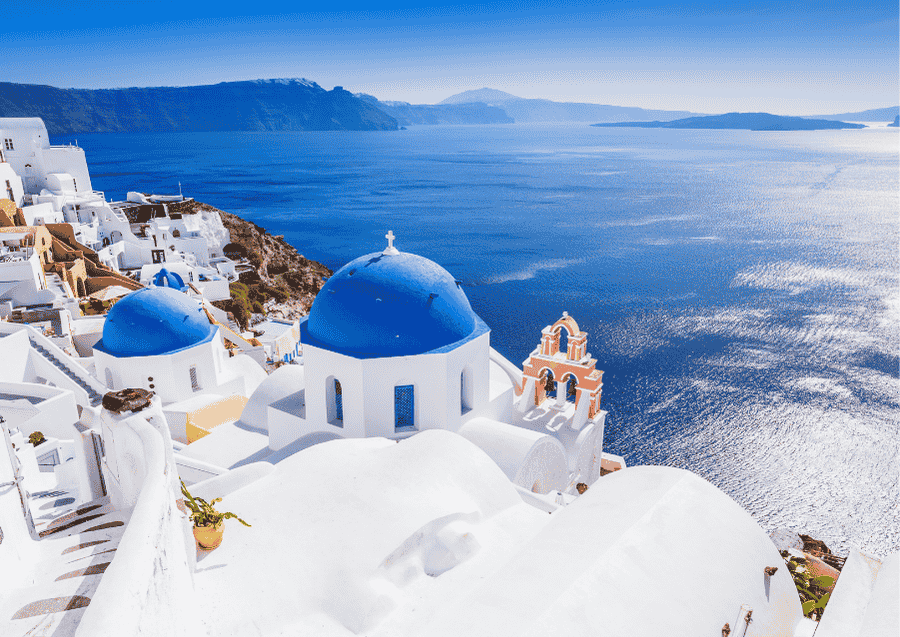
7, 174
42, 214
148, 586
14, 348
531, 460
29, 273
70, 160
29, 137
216, 372
368, 387
57, 411
17, 550
646, 552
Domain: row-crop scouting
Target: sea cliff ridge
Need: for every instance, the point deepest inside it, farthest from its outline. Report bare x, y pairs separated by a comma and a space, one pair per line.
259, 105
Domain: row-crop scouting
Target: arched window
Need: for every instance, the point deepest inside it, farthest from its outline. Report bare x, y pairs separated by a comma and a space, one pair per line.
109, 379
404, 408
571, 387
338, 402
334, 402
195, 379
564, 341
465, 391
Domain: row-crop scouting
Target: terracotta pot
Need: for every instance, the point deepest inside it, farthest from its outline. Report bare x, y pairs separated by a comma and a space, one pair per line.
208, 537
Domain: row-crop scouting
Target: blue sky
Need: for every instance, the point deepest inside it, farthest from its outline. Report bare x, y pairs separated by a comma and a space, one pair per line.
781, 57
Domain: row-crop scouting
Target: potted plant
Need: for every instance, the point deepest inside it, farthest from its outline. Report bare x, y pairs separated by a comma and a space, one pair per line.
207, 521
36, 438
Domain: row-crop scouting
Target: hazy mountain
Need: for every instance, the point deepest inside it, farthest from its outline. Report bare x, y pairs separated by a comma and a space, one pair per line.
406, 113
230, 106
743, 121
528, 110
484, 95
872, 115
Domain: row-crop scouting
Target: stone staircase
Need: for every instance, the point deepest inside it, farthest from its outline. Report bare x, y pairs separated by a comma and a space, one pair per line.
94, 396
77, 544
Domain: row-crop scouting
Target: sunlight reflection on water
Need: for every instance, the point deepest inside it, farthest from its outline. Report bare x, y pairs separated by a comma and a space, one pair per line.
740, 289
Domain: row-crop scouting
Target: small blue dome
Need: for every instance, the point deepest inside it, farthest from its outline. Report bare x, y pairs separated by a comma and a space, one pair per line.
390, 305
153, 321
166, 279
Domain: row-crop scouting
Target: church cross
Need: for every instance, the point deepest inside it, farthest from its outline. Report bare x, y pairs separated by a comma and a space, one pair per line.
390, 250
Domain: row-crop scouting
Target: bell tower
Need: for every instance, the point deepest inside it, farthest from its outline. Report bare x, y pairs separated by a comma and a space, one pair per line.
561, 369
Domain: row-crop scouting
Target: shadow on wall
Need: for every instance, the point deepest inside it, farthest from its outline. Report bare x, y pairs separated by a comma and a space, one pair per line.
274, 457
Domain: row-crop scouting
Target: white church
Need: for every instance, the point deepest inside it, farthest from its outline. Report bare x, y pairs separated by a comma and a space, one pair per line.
392, 347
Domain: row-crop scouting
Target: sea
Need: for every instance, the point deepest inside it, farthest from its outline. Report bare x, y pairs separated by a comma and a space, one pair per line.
739, 288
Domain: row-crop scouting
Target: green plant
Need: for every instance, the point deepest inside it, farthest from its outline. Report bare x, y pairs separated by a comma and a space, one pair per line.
36, 438
812, 590
203, 513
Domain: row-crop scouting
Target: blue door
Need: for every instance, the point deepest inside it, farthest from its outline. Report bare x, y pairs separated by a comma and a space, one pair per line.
404, 408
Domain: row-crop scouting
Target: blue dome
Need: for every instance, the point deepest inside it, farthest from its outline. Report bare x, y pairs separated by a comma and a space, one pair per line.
390, 305
166, 279
153, 321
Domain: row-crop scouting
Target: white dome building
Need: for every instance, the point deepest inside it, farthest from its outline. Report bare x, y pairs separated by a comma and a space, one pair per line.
392, 347
162, 340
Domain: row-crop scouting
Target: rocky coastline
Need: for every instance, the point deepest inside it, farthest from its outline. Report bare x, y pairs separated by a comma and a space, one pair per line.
275, 281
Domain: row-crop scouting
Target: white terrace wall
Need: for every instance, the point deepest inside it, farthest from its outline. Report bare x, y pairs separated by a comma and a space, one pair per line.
15, 346
148, 587
17, 550
56, 412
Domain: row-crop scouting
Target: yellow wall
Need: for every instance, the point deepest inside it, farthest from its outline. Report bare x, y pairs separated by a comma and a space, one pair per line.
201, 421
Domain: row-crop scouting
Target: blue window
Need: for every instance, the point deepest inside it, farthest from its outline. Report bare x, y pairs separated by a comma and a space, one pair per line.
338, 401
564, 341
404, 408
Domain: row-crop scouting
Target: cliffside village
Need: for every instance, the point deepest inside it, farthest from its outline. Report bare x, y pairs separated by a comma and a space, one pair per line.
399, 475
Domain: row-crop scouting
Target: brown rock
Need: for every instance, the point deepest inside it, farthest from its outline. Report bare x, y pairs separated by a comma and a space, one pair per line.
811, 544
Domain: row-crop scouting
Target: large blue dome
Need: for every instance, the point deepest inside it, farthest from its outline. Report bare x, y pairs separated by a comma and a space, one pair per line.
154, 321
390, 305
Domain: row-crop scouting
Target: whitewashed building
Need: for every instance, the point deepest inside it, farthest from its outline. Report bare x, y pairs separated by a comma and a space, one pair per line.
392, 347
162, 340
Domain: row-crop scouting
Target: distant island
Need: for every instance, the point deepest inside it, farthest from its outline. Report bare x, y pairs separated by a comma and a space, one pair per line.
742, 121
896, 122
408, 114
260, 105
871, 115
524, 110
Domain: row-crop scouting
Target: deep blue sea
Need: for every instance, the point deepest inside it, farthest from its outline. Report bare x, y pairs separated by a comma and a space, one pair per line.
740, 289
